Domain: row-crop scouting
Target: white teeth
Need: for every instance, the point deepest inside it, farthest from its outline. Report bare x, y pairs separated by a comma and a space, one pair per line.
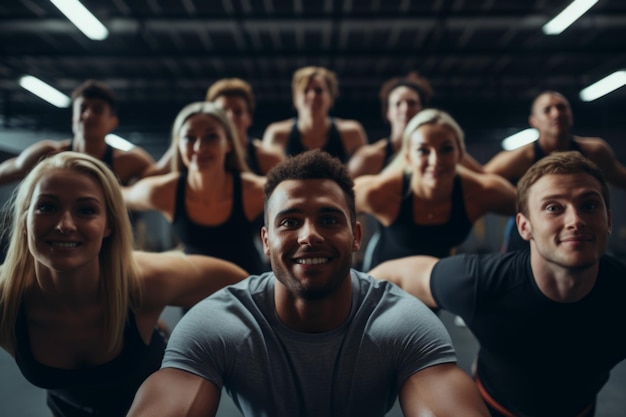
64, 244
311, 261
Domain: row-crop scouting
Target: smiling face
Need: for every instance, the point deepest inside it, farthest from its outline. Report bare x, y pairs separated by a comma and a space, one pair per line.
203, 142
66, 221
433, 153
568, 222
309, 237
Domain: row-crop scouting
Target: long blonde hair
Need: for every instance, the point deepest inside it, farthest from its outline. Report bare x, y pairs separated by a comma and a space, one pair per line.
235, 161
119, 274
424, 117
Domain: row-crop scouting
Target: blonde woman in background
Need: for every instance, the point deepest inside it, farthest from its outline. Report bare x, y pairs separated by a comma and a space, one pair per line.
425, 200
211, 198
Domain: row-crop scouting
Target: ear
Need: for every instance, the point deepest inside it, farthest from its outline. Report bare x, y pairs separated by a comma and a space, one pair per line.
266, 246
523, 226
358, 235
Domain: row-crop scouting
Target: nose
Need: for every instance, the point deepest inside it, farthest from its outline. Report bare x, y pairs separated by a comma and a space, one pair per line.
66, 223
573, 218
433, 157
198, 144
309, 234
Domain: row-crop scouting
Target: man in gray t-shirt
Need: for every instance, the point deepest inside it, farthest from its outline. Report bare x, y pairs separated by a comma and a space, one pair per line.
313, 337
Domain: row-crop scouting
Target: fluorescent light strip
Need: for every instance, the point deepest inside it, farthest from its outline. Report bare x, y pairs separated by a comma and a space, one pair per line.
82, 19
520, 139
604, 86
44, 91
118, 142
568, 16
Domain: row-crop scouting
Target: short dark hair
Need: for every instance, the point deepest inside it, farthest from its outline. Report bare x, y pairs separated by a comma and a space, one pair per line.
312, 165
570, 162
96, 89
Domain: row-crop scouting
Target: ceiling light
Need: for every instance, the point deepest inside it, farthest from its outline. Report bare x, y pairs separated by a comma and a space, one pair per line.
118, 142
82, 19
44, 91
604, 86
520, 139
568, 16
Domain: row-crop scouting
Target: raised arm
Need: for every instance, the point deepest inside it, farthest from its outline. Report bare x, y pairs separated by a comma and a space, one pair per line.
441, 391
412, 274
152, 193
172, 392
277, 135
173, 278
14, 169
601, 153
352, 134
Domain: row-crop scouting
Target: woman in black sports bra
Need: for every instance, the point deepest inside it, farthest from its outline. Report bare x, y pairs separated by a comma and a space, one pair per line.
425, 200
211, 198
79, 308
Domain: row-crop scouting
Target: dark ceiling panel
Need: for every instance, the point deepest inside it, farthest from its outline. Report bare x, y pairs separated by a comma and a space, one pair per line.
486, 59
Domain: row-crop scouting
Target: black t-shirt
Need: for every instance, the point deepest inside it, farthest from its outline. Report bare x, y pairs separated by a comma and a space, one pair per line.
537, 356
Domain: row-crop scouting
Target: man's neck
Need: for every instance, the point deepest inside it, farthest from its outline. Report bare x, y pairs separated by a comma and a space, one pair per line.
562, 284
93, 147
552, 143
313, 316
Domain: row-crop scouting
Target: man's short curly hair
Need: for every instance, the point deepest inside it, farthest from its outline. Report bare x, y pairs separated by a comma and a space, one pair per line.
312, 165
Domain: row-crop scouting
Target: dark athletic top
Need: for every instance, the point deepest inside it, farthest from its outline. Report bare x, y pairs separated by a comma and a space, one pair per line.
100, 390
389, 152
334, 145
251, 158
537, 357
232, 240
405, 238
512, 239
107, 158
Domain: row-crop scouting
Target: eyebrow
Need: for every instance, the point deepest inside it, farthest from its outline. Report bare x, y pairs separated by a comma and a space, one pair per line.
586, 194
80, 199
324, 210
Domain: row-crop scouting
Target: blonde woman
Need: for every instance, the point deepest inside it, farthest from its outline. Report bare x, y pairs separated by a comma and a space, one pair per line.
314, 90
211, 198
78, 308
425, 200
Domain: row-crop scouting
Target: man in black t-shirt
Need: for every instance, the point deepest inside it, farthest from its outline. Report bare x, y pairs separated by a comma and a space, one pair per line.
545, 319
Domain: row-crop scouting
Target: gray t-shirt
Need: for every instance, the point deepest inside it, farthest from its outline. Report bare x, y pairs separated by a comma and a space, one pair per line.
235, 340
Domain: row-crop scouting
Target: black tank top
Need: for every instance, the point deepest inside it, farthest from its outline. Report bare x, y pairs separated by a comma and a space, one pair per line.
232, 240
405, 238
389, 152
251, 158
107, 158
512, 239
101, 390
334, 145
